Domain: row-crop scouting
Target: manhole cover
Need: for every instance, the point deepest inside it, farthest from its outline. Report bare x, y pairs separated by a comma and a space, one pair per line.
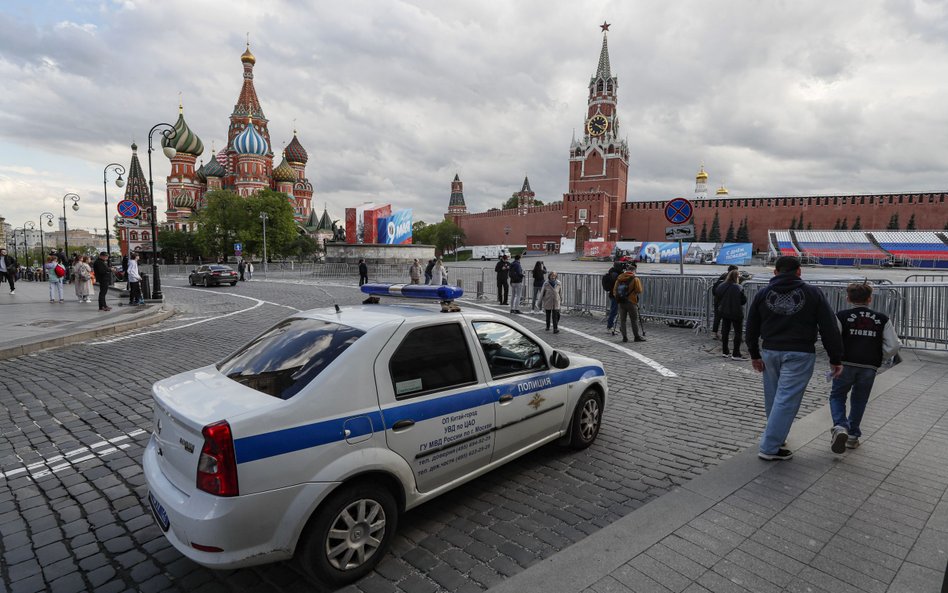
47, 322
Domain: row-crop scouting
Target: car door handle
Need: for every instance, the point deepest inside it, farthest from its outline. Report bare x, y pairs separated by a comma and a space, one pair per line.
505, 399
403, 425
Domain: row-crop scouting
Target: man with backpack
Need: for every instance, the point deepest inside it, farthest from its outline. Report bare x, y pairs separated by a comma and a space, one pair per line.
516, 284
716, 300
608, 283
627, 291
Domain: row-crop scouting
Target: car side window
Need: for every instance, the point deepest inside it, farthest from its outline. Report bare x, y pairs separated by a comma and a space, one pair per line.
507, 350
430, 359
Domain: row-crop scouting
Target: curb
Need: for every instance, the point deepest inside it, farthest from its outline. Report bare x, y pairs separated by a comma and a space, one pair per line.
67, 338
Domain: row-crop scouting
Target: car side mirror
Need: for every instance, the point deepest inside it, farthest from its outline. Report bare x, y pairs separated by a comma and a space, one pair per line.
559, 360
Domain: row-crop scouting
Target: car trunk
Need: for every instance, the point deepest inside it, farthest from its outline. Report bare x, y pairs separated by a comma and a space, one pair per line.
184, 405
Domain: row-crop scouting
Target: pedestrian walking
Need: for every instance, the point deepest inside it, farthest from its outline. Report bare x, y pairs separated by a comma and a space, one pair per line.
539, 276
715, 326
730, 311
55, 271
103, 275
363, 272
414, 272
71, 269
609, 284
869, 339
8, 269
241, 267
134, 281
626, 292
439, 274
516, 284
248, 269
429, 270
124, 269
551, 299
786, 316
83, 273
502, 269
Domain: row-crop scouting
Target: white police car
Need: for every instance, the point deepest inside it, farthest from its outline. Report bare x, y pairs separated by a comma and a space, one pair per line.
312, 438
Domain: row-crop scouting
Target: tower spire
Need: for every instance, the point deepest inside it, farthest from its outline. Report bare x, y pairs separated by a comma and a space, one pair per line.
603, 70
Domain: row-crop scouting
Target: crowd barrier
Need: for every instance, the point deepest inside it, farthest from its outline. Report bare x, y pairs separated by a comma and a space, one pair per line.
918, 309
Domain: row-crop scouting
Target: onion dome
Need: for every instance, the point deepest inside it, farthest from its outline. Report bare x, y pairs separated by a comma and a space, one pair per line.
248, 57
213, 168
702, 174
250, 141
295, 153
199, 173
284, 172
183, 199
722, 191
185, 141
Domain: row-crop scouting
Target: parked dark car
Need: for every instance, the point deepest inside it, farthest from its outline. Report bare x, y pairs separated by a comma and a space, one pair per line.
213, 275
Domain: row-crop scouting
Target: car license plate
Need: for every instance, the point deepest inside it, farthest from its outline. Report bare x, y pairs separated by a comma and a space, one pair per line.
159, 511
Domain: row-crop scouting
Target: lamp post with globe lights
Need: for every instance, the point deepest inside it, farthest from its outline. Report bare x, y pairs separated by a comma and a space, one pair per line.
75, 208
167, 130
120, 170
264, 217
26, 246
48, 217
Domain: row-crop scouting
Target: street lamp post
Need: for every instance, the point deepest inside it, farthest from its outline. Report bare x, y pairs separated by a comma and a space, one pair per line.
120, 170
456, 237
75, 208
169, 133
48, 217
26, 247
264, 217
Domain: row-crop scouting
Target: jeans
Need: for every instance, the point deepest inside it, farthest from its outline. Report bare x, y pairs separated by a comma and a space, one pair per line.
786, 375
56, 288
613, 311
725, 334
502, 291
10, 277
515, 295
553, 314
860, 380
135, 290
536, 292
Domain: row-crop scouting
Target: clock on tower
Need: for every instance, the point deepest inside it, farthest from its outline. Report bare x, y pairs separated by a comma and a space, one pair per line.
597, 125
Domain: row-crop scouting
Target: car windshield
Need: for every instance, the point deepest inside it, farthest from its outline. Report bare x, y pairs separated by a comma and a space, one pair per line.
285, 358
219, 268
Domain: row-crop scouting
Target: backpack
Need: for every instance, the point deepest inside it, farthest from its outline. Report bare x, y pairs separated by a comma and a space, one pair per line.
60, 270
622, 291
516, 274
608, 281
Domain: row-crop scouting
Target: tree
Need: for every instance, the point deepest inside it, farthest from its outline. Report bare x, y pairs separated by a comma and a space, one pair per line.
793, 223
729, 236
800, 223
178, 245
809, 226
893, 223
220, 221
911, 223
302, 247
281, 228
743, 232
836, 226
715, 235
417, 226
441, 235
858, 224
513, 201
704, 232
844, 226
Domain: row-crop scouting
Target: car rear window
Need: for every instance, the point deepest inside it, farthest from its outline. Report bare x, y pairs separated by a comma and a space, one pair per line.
285, 358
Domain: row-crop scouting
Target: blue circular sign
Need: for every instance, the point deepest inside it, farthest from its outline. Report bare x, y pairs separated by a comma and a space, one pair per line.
128, 209
678, 211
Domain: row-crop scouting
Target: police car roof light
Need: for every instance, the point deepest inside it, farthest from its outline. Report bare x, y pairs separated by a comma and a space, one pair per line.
442, 292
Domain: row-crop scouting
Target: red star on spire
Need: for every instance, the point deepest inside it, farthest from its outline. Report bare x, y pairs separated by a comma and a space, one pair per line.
604, 26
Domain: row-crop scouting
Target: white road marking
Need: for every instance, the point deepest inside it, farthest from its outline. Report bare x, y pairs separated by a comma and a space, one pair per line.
258, 303
661, 370
58, 463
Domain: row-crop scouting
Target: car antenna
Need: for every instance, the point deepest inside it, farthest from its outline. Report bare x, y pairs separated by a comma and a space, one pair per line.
337, 308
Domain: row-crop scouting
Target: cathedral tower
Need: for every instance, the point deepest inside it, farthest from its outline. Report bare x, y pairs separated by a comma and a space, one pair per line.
184, 183
247, 112
701, 184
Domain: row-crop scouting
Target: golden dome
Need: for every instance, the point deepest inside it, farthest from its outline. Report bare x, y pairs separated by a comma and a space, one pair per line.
702, 174
247, 56
722, 191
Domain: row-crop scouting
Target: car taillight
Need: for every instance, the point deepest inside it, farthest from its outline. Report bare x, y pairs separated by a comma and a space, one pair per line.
217, 466
215, 273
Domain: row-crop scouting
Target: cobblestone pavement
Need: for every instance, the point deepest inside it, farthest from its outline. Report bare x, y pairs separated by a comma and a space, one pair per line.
74, 423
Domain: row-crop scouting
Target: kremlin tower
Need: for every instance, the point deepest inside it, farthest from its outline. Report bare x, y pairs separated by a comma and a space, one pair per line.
701, 184
456, 204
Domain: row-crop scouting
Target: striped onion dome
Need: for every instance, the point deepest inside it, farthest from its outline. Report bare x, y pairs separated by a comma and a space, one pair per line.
183, 199
284, 172
250, 142
185, 141
214, 168
295, 152
199, 173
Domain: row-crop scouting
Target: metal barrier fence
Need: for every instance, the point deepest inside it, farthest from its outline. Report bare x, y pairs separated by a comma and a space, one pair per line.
918, 310
927, 278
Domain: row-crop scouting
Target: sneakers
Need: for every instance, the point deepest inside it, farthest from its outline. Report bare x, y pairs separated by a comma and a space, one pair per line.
625, 339
738, 357
13, 291
839, 438
780, 455
556, 331
852, 442
726, 355
640, 339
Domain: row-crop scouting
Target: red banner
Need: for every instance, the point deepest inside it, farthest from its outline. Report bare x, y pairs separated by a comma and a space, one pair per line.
599, 249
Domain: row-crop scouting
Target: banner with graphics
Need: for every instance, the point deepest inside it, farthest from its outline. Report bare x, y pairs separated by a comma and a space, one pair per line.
603, 249
697, 253
395, 229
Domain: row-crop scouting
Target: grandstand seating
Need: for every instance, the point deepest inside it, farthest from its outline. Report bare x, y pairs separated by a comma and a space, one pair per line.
783, 243
923, 249
839, 248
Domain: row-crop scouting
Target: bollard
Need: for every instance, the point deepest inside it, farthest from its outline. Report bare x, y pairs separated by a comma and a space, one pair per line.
480, 289
146, 286
460, 283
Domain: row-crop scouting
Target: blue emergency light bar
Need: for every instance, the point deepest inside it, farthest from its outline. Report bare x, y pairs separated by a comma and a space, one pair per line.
416, 291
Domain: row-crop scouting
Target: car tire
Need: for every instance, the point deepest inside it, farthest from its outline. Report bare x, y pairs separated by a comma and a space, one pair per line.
206, 283
587, 419
190, 281
233, 284
333, 561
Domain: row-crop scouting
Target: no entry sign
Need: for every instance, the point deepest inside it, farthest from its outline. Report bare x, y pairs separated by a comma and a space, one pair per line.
128, 209
678, 211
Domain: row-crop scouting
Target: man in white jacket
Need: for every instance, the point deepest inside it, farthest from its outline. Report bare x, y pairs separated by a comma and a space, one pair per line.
134, 281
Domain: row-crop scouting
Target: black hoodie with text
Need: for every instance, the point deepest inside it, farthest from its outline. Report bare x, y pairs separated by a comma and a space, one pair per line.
786, 316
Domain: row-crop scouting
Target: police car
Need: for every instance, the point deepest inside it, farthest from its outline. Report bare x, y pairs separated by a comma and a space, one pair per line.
310, 440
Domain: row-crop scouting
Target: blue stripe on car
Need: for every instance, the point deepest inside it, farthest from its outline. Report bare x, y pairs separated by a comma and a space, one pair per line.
288, 440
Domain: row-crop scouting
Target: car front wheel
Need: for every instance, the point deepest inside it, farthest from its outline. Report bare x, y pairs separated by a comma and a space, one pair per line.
206, 283
349, 535
587, 418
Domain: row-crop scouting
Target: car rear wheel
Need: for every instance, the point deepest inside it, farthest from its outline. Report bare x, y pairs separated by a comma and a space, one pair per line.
348, 535
233, 284
206, 283
587, 418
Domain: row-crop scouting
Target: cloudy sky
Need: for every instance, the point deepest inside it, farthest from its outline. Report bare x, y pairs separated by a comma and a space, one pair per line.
392, 98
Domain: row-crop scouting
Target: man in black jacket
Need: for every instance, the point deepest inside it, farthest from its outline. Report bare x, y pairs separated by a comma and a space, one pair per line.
103, 275
716, 300
363, 272
503, 271
8, 268
786, 315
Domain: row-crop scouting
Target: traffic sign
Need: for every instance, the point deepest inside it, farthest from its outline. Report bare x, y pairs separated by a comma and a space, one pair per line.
238, 246
676, 233
237, 252
678, 211
129, 209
